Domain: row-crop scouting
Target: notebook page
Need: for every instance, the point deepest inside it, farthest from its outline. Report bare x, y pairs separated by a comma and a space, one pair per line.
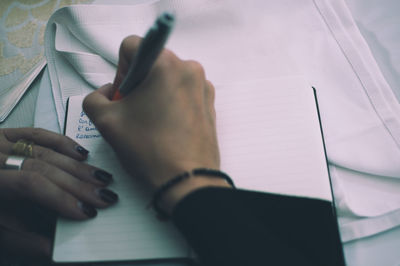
126, 231
270, 138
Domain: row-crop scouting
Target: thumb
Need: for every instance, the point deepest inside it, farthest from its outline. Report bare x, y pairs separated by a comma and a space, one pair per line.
95, 103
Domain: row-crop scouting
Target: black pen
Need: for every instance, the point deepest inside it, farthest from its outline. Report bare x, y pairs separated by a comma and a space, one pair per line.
148, 51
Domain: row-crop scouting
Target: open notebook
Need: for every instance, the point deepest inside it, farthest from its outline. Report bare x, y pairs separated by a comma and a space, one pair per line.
270, 140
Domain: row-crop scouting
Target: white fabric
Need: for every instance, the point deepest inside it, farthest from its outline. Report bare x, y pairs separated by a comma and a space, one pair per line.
378, 21
45, 113
377, 250
241, 40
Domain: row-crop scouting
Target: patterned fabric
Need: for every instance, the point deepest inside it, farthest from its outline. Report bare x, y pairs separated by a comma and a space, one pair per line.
22, 26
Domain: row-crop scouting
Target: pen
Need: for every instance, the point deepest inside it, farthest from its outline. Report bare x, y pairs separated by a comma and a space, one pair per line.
148, 51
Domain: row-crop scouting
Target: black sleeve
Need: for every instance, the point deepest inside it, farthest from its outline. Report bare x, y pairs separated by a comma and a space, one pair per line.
237, 227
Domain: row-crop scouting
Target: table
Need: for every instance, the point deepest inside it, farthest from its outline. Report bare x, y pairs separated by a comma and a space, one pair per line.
380, 249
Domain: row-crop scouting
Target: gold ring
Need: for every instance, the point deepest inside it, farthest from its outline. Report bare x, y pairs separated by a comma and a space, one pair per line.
22, 147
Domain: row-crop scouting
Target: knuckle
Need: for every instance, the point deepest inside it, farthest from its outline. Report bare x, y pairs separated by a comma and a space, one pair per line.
128, 44
168, 54
129, 40
196, 68
102, 121
4, 134
168, 60
41, 153
106, 123
37, 166
210, 85
210, 88
86, 189
59, 141
194, 71
76, 168
36, 133
87, 103
27, 182
86, 192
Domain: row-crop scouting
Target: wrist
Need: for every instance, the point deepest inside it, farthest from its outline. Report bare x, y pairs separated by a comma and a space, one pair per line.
175, 194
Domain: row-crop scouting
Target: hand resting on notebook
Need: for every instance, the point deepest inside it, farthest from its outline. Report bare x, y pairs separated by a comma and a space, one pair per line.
54, 177
163, 127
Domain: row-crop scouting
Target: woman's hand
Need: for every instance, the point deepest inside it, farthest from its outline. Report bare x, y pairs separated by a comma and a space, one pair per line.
53, 181
163, 127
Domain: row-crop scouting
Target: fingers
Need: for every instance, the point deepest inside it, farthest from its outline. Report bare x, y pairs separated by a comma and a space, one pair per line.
31, 186
53, 188
45, 138
80, 170
127, 50
95, 104
76, 168
94, 195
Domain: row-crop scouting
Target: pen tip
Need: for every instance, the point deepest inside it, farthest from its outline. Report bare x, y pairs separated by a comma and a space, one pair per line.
166, 19
168, 16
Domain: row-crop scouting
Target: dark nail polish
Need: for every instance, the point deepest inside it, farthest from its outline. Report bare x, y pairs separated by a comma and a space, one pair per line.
107, 195
103, 176
87, 209
81, 150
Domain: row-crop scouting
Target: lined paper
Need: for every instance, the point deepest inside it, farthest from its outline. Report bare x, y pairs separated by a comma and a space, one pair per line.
270, 140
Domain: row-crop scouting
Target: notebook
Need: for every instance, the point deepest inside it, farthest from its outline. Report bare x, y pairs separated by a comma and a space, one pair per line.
270, 140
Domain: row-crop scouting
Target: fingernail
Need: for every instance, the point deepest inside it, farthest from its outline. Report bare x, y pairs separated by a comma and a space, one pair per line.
107, 195
87, 209
81, 150
103, 176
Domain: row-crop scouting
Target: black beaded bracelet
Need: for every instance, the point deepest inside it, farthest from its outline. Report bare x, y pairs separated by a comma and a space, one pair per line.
161, 214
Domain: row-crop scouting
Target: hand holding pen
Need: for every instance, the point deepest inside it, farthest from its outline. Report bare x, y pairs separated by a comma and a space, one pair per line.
147, 53
164, 126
